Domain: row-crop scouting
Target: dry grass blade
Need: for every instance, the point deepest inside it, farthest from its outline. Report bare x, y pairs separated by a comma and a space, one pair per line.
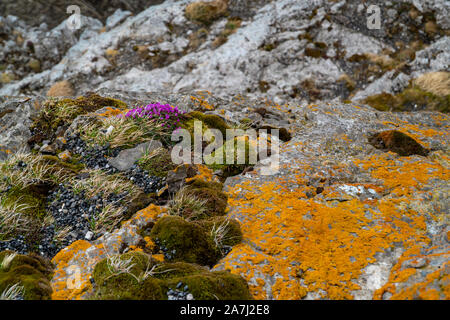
13, 292
100, 182
219, 233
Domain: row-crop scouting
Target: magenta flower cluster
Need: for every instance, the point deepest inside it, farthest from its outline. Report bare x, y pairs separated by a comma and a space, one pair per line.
165, 113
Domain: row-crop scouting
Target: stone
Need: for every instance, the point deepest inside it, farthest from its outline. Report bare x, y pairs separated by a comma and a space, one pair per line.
65, 155
61, 89
89, 235
177, 178
126, 158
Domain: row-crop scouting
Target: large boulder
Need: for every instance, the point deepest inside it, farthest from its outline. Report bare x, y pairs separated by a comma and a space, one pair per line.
342, 219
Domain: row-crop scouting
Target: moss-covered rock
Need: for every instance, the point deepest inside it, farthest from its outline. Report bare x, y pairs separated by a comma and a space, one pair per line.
60, 112
231, 234
30, 271
113, 282
397, 142
234, 168
158, 164
185, 241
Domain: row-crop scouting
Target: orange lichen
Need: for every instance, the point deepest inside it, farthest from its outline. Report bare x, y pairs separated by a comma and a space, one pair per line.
318, 247
62, 287
421, 290
112, 112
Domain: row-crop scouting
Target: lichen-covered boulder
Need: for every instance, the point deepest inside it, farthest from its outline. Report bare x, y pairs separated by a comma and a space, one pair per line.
341, 219
138, 276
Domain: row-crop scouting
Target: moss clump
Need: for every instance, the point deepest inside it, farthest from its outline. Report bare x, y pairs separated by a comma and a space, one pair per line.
211, 192
158, 163
189, 240
397, 142
411, 99
70, 167
209, 121
60, 112
32, 198
215, 285
318, 51
206, 12
134, 284
30, 271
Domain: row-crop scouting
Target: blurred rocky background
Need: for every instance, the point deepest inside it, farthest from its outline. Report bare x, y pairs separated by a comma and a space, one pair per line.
284, 50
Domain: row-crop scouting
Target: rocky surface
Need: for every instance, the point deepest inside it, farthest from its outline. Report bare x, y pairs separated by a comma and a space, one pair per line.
283, 50
355, 208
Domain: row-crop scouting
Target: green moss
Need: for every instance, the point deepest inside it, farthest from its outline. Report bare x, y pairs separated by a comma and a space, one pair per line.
113, 284
33, 197
411, 99
32, 272
397, 142
214, 285
211, 192
73, 166
158, 164
233, 169
209, 121
206, 12
170, 270
201, 283
191, 242
60, 112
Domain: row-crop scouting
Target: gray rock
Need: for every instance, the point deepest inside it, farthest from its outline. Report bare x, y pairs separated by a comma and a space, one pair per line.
126, 158
89, 235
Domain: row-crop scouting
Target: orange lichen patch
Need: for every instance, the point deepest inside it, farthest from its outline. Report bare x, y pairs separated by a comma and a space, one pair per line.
65, 155
7, 151
201, 103
112, 112
149, 243
69, 282
402, 176
150, 213
319, 247
74, 264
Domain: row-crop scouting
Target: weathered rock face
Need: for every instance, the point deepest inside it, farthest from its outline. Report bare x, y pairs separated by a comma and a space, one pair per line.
283, 50
341, 218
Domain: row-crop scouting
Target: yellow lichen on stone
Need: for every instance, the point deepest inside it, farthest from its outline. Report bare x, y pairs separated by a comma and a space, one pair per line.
322, 247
